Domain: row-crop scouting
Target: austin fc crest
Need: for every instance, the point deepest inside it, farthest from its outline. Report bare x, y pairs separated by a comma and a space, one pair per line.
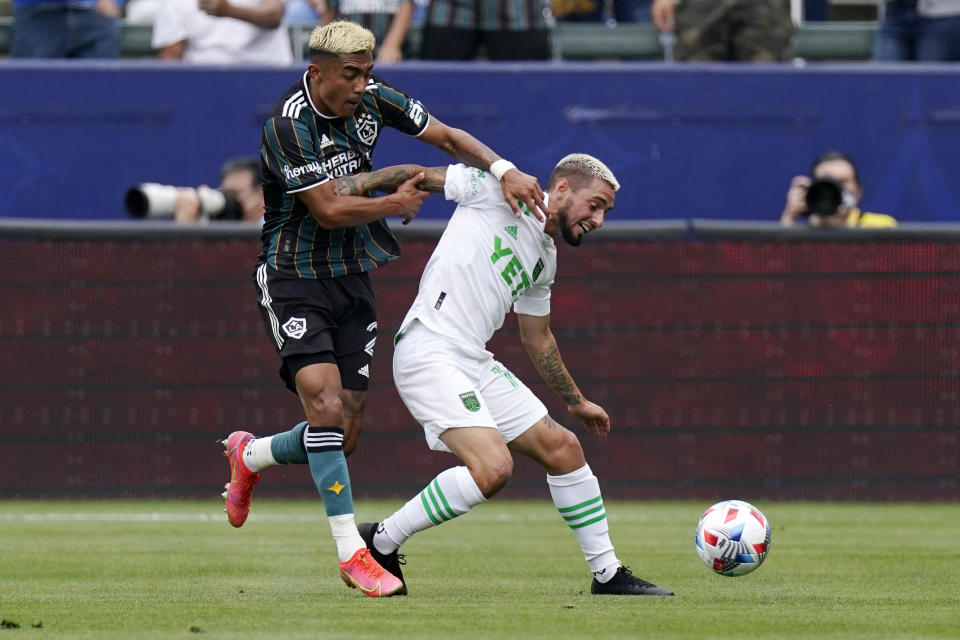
470, 401
367, 129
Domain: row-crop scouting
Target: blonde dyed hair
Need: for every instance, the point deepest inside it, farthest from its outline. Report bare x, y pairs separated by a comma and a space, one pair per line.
341, 37
581, 164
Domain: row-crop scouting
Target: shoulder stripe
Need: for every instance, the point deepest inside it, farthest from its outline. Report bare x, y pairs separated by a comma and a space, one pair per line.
291, 103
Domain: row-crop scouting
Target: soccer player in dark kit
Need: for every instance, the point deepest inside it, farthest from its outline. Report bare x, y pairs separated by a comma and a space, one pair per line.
322, 234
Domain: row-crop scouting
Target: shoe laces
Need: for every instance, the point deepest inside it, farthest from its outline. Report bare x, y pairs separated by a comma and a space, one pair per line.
626, 575
363, 561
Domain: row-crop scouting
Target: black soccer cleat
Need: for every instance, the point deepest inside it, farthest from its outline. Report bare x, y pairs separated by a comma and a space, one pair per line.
390, 561
624, 583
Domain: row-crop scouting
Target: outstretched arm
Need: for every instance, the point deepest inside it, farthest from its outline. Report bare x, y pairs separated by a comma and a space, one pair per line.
342, 202
519, 189
389, 178
541, 346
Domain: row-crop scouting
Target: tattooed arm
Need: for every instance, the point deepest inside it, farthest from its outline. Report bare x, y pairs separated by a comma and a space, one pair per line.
516, 185
389, 178
541, 346
343, 203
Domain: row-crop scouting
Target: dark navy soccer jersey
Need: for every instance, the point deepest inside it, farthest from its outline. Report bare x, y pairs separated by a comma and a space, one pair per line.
302, 149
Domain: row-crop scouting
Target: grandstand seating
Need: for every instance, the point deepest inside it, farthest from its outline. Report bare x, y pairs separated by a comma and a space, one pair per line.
815, 41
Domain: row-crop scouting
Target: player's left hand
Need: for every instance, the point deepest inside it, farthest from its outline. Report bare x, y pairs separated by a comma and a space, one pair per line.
523, 192
592, 416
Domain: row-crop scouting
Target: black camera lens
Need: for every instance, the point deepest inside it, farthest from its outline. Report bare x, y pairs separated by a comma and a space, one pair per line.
824, 196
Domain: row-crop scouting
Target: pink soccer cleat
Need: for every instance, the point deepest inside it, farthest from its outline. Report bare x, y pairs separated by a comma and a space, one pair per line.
242, 480
364, 573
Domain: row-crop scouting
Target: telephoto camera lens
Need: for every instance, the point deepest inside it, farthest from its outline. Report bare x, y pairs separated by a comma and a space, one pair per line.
824, 197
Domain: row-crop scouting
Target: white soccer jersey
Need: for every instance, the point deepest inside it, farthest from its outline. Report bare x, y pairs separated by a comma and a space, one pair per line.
486, 261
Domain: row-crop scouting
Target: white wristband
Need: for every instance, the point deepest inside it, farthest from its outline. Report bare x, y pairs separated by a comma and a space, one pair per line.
500, 167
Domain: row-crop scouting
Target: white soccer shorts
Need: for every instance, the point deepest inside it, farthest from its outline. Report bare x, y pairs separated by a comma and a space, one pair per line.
445, 386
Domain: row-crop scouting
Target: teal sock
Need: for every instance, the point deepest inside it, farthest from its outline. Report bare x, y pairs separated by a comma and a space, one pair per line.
288, 447
328, 466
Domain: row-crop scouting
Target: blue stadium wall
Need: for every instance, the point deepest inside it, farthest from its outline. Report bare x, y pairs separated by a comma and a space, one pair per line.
688, 142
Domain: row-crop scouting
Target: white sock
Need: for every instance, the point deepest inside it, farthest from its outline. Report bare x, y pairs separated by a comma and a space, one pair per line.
450, 494
577, 498
257, 454
345, 534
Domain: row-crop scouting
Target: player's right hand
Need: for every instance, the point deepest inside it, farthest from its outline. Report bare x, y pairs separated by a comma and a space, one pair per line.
410, 198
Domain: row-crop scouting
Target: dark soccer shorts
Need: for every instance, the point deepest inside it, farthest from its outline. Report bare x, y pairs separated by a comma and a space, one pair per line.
331, 320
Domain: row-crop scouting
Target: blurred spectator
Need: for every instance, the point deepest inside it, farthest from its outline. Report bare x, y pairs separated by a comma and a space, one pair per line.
816, 10
222, 32
389, 20
609, 11
921, 30
727, 30
508, 29
830, 197
142, 11
239, 183
304, 11
66, 29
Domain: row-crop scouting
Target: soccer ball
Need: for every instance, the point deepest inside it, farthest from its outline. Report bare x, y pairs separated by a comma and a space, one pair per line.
733, 538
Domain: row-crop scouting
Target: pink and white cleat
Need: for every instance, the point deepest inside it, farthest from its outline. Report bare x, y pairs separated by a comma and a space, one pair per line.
364, 573
242, 480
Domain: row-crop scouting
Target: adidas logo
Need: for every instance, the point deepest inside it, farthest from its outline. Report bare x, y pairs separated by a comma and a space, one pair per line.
512, 230
364, 371
325, 141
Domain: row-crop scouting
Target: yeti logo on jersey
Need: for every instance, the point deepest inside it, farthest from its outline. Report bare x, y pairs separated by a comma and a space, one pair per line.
470, 401
367, 129
295, 327
512, 271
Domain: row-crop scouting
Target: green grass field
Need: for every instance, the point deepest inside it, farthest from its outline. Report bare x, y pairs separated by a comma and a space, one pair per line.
176, 569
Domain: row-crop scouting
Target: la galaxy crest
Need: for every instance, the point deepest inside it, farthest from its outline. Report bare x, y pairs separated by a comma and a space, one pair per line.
367, 129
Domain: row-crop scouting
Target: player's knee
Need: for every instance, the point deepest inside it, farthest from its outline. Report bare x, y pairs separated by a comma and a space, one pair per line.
566, 455
494, 475
323, 408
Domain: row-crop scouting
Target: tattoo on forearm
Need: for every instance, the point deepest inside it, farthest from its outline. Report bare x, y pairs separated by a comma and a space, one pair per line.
349, 186
556, 375
386, 179
389, 178
433, 179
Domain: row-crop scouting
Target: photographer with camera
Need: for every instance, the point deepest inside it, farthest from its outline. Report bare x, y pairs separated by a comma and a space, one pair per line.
239, 197
829, 198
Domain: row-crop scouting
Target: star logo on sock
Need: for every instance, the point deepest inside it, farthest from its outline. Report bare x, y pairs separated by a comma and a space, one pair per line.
336, 487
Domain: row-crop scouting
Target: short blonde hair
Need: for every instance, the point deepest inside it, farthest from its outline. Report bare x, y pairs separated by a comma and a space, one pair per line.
341, 37
581, 164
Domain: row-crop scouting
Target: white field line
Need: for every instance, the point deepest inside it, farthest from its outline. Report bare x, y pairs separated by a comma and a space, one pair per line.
173, 516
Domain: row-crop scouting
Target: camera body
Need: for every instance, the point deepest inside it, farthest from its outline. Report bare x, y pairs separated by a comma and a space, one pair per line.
158, 201
827, 197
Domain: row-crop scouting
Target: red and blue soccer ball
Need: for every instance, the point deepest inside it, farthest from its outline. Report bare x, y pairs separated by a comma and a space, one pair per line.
733, 538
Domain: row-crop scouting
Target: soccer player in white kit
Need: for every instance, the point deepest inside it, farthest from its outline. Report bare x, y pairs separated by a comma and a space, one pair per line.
470, 404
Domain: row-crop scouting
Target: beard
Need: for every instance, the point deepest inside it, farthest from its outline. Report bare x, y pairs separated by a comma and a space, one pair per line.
566, 229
